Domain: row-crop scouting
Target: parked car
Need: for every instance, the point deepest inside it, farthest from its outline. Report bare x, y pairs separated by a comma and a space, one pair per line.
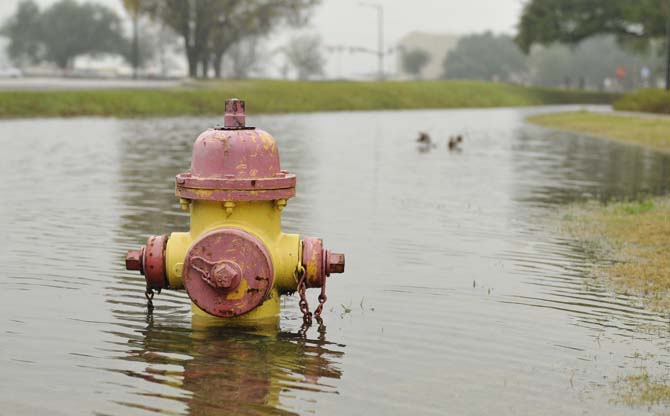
10, 72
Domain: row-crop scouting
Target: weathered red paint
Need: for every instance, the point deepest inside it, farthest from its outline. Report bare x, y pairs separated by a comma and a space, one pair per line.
235, 115
318, 262
149, 260
134, 260
235, 163
153, 263
235, 195
223, 261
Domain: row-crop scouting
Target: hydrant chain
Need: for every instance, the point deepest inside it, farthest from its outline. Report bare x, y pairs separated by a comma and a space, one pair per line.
302, 303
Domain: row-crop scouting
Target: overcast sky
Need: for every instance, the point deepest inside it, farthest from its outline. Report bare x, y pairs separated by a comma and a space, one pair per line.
345, 22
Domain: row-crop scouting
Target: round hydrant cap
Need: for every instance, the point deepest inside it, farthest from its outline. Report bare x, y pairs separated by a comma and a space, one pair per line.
228, 272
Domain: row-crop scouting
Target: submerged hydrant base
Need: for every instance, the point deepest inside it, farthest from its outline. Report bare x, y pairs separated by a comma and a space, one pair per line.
235, 261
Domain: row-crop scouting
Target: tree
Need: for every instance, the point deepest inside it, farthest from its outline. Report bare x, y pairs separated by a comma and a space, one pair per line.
305, 55
210, 27
588, 63
63, 31
244, 58
152, 43
485, 56
133, 8
70, 29
570, 21
414, 61
23, 30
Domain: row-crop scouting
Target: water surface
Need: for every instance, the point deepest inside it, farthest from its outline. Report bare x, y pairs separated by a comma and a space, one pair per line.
458, 297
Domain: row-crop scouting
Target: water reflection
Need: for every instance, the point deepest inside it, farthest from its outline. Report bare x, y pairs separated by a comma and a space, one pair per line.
557, 167
218, 370
233, 371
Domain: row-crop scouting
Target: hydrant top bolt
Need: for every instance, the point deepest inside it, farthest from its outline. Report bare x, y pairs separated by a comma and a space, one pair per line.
235, 117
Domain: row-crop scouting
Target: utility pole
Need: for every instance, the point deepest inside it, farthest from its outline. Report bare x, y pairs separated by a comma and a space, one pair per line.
380, 35
667, 48
133, 8
136, 43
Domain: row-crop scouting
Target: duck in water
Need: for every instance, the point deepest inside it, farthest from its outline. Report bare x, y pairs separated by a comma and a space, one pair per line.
424, 138
455, 142
425, 142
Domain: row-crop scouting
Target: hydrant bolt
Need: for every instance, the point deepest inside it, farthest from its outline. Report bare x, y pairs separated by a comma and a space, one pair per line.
234, 117
335, 263
134, 260
225, 275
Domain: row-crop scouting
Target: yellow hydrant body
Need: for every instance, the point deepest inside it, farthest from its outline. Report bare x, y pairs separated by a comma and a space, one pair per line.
235, 261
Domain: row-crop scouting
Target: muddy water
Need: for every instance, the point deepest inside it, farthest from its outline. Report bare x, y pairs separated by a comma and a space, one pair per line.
458, 297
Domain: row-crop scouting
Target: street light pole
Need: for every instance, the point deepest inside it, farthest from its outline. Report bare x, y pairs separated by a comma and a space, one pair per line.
136, 44
380, 35
667, 49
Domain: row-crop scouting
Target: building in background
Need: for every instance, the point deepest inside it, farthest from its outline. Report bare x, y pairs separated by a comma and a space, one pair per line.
436, 44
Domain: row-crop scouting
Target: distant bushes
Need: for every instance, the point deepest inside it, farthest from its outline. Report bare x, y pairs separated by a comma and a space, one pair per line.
651, 101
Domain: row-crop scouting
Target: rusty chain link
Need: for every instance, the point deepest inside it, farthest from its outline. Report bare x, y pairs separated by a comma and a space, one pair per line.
322, 300
149, 294
304, 306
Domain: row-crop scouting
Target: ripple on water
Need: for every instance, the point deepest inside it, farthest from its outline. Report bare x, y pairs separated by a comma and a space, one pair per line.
457, 297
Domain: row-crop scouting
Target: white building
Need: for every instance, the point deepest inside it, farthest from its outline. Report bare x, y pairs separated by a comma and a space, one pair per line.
436, 44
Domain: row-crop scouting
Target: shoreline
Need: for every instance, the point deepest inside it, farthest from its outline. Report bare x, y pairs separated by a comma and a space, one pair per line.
647, 130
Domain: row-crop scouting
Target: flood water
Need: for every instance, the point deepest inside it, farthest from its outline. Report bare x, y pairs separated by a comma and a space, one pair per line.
459, 296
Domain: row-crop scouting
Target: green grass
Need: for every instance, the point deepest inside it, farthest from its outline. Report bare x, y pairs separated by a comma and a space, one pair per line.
653, 132
265, 96
650, 101
635, 236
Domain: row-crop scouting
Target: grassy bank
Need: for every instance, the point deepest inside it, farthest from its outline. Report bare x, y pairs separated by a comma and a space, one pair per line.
630, 243
635, 236
653, 132
264, 96
650, 101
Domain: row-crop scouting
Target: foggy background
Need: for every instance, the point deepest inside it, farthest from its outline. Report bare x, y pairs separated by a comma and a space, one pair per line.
347, 23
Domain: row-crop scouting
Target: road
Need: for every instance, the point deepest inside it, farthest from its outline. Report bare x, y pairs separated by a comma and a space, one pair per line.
37, 84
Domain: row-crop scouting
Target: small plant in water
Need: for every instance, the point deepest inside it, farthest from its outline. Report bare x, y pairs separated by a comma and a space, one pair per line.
345, 310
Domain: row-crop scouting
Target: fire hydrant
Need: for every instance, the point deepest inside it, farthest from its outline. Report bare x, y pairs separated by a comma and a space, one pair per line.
235, 261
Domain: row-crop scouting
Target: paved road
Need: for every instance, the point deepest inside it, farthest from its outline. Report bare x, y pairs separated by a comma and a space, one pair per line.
32, 84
